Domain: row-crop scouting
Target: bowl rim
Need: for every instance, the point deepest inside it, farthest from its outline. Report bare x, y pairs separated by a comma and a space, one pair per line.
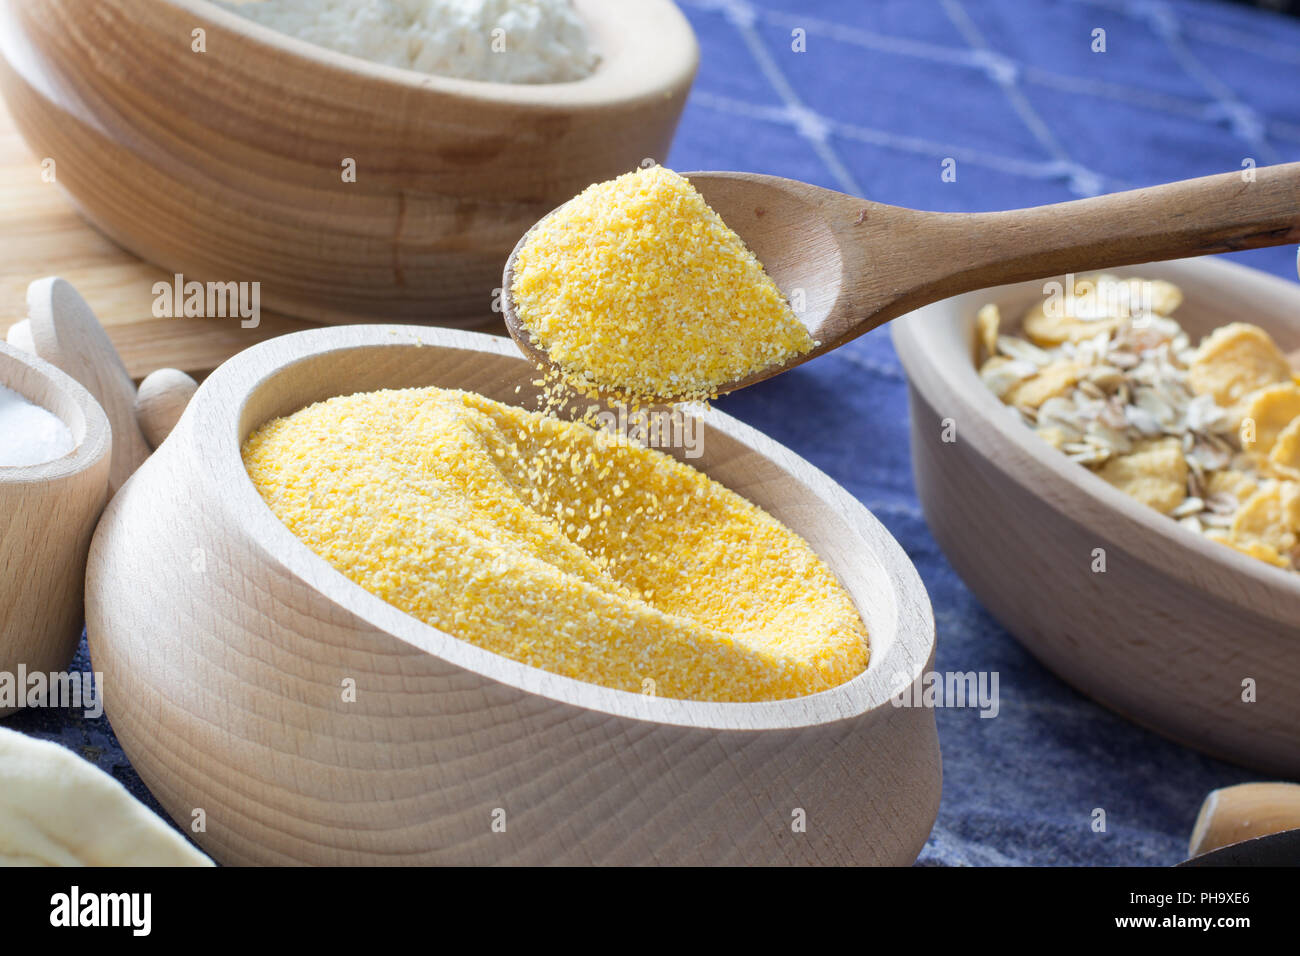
672, 42
899, 656
95, 443
946, 381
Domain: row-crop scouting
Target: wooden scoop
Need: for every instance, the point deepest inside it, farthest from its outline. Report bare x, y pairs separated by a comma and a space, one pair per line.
63, 330
1244, 812
854, 265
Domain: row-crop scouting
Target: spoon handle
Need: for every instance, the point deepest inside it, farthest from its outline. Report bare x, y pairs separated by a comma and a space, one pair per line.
1223, 213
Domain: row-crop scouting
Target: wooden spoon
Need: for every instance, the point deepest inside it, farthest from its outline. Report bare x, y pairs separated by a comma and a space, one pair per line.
1244, 812
854, 264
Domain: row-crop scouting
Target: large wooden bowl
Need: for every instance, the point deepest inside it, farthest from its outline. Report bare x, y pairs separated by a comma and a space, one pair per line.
47, 515
226, 165
227, 645
1177, 624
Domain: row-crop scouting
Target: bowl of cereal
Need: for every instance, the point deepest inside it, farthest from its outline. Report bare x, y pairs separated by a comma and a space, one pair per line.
358, 160
355, 610
1112, 464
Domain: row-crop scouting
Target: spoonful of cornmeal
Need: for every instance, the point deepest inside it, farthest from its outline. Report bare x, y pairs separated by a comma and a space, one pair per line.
666, 287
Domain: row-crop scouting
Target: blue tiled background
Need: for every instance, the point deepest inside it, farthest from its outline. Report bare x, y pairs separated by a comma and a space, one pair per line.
1010, 89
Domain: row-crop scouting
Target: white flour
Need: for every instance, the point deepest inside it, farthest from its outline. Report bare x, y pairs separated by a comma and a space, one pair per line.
504, 41
30, 435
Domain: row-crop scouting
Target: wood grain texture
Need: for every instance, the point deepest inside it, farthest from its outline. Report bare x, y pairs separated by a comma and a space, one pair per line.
857, 264
225, 642
20, 336
41, 233
1169, 632
47, 514
226, 165
1244, 812
160, 401
66, 333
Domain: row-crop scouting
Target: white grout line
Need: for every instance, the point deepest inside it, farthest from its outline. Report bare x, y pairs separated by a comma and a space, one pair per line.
1133, 95
1004, 71
1237, 39
1194, 109
810, 125
1244, 121
869, 39
1033, 169
1209, 111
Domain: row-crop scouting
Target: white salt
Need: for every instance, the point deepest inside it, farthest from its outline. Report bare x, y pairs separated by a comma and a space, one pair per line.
30, 435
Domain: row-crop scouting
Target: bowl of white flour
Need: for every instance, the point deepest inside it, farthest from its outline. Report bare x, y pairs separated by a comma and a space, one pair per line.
498, 41
348, 160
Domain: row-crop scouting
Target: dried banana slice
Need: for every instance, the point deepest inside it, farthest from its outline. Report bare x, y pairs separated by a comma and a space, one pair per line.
1155, 473
56, 809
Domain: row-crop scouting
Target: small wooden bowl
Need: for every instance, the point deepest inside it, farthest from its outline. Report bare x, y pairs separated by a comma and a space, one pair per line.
47, 514
1169, 632
228, 647
226, 165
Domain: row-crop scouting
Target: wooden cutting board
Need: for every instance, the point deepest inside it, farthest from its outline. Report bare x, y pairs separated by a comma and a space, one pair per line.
41, 234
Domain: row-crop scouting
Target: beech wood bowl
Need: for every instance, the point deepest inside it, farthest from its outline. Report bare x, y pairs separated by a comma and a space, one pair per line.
1176, 624
226, 646
226, 165
47, 515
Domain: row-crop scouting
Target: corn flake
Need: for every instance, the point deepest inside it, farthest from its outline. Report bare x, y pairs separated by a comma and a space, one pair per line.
1165, 297
1155, 473
1267, 412
1051, 381
1232, 482
988, 321
1284, 457
1269, 517
1252, 549
1234, 361
1047, 327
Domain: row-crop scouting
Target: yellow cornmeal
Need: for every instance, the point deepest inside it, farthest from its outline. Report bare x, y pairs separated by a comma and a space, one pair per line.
637, 286
559, 546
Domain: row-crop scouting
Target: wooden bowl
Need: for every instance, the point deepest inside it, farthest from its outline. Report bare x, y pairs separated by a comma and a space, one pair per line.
1169, 632
226, 165
47, 514
227, 645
